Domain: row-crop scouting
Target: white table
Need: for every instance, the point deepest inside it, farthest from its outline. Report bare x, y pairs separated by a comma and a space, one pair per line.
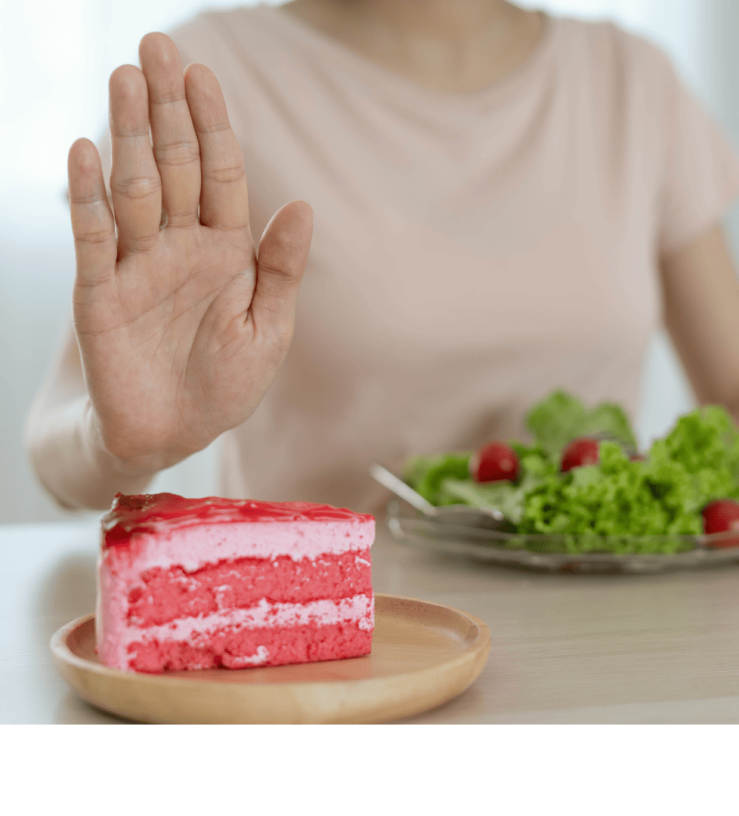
565, 648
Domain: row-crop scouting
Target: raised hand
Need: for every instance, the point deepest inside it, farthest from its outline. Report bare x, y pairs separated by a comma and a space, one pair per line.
181, 328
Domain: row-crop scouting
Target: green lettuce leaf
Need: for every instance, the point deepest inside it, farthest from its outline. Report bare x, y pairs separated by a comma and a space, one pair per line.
554, 421
613, 498
703, 446
503, 495
535, 467
610, 419
561, 417
508, 497
426, 473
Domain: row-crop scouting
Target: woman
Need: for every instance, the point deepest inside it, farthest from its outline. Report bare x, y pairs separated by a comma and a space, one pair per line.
504, 203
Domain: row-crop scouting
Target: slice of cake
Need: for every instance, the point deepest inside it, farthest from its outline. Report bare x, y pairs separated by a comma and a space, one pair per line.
201, 583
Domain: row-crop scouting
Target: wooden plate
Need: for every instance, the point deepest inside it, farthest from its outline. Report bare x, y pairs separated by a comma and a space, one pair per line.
423, 654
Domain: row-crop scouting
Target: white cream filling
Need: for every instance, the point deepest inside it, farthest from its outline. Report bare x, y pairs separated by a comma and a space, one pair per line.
359, 608
259, 657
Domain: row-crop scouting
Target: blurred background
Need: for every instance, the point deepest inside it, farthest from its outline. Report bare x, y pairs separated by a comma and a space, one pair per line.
55, 59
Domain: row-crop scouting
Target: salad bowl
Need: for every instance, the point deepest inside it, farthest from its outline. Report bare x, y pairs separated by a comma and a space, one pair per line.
580, 496
563, 553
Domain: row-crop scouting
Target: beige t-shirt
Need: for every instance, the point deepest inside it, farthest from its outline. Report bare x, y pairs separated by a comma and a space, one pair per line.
470, 253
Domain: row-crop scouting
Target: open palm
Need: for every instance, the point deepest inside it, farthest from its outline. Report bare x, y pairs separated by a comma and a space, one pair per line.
181, 328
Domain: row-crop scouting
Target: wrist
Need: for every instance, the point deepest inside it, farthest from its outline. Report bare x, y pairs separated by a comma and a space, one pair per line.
135, 468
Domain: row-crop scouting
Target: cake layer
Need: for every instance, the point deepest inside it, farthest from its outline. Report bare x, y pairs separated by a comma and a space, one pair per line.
116, 637
163, 595
246, 648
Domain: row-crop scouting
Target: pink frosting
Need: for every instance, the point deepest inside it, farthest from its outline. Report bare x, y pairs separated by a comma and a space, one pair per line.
160, 512
195, 547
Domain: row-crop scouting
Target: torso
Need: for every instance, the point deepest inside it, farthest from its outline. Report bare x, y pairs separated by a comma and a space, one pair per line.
470, 253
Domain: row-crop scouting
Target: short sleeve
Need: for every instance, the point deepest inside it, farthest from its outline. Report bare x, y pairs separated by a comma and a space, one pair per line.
701, 168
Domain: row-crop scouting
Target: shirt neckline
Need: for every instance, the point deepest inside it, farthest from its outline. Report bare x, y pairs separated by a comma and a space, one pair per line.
378, 76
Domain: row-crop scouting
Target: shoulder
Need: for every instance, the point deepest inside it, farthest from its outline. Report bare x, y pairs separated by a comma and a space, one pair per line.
615, 55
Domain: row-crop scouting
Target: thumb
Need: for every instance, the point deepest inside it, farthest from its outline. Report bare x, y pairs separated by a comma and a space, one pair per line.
283, 253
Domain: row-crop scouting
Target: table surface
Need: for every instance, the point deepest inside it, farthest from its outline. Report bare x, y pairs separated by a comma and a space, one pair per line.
565, 648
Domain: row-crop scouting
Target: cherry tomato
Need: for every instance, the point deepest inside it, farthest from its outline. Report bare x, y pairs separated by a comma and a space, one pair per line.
721, 516
579, 452
493, 463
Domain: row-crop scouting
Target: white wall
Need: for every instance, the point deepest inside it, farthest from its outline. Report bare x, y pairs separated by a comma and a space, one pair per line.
55, 58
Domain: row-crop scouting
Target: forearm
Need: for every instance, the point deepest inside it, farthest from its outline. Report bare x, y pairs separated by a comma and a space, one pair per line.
701, 310
70, 459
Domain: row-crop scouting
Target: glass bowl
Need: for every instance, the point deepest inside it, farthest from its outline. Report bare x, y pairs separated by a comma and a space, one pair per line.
564, 553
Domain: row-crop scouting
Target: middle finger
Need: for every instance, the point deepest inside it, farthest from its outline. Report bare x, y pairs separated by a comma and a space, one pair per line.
175, 143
